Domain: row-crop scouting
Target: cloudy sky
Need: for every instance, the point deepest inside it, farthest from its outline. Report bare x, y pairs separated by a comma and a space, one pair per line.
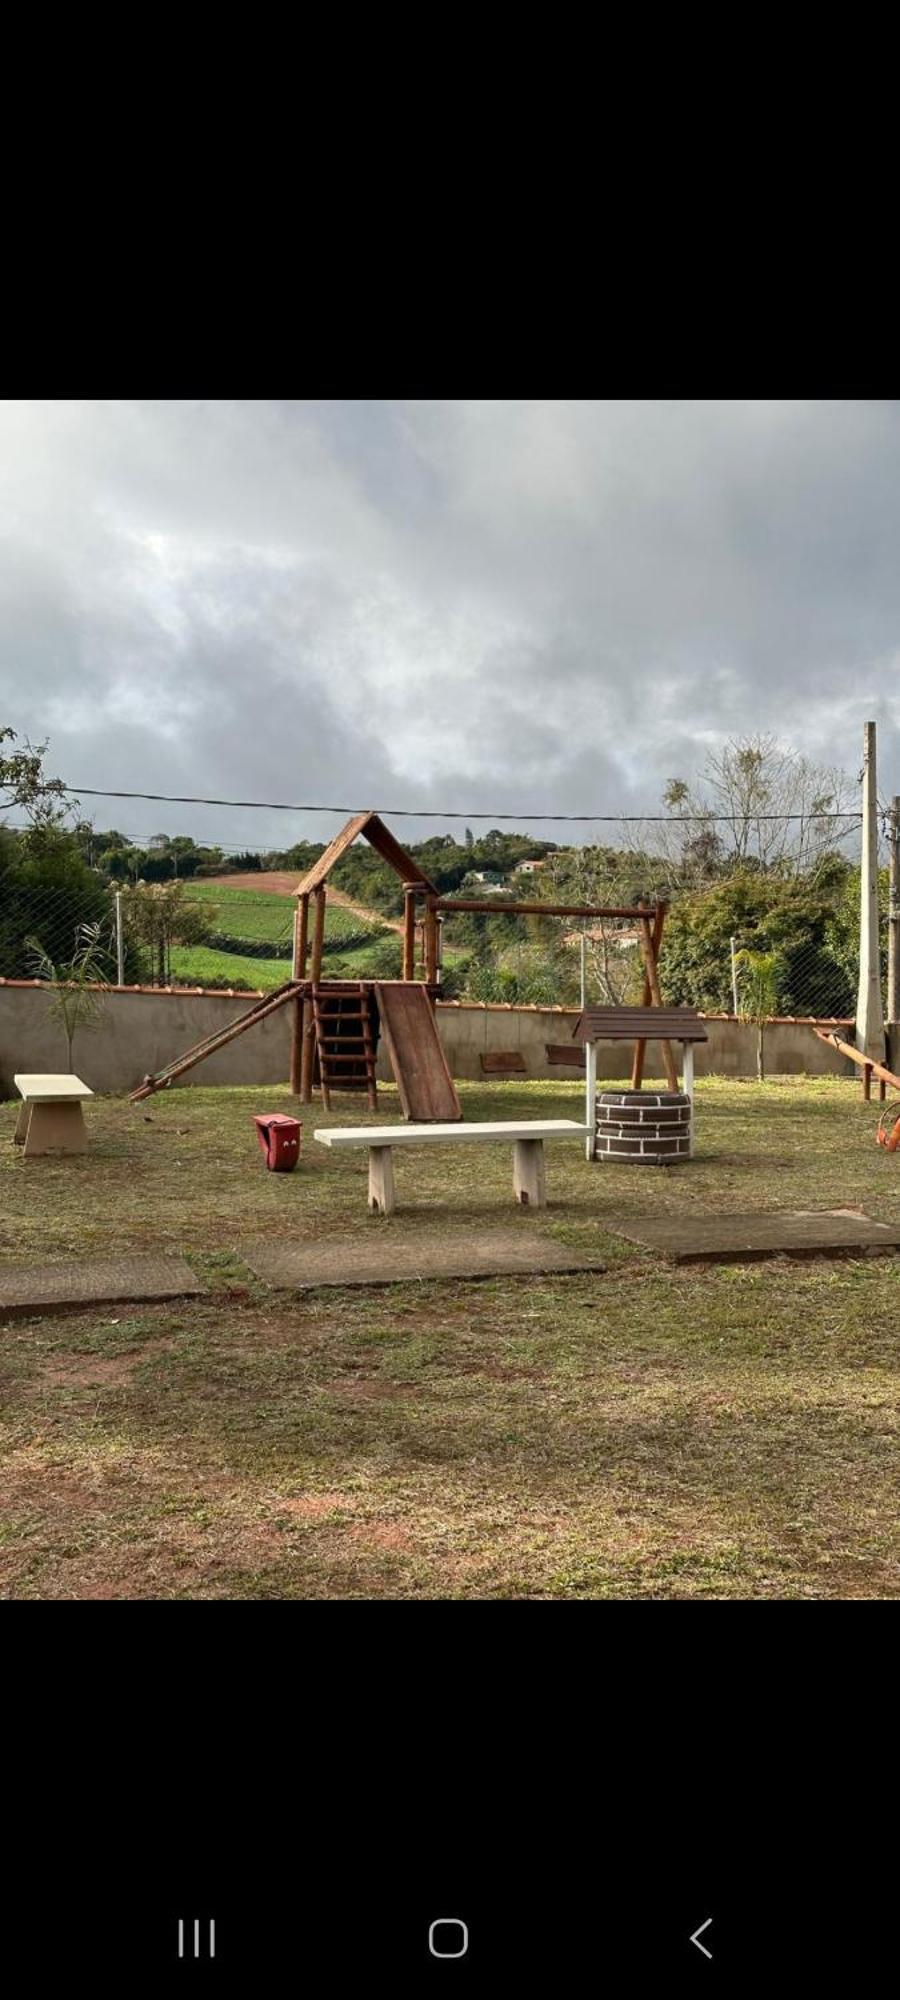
502, 607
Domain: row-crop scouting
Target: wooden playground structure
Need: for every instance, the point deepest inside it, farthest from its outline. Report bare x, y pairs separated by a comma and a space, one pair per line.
336, 1023
890, 1140
863, 1062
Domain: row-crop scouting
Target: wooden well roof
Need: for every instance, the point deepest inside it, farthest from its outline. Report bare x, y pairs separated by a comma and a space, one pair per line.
640, 1024
380, 837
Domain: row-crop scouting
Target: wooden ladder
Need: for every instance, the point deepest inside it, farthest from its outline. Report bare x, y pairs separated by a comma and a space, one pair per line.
346, 1060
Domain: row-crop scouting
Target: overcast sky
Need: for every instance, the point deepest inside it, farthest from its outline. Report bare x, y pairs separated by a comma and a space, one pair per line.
508, 607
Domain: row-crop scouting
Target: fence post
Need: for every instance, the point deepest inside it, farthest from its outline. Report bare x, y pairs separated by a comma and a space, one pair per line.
583, 968
120, 940
869, 1015
734, 986
893, 954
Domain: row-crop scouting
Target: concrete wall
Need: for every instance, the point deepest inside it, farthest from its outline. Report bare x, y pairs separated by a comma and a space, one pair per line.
143, 1028
469, 1030
140, 1030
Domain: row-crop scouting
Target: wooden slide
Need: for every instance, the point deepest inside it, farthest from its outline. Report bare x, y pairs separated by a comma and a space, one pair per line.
427, 1091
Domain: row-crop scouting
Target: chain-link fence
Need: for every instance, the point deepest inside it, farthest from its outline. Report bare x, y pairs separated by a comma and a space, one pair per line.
773, 931
175, 934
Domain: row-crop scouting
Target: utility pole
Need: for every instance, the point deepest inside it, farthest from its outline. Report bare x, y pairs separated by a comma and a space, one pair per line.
869, 1013
734, 982
893, 965
120, 940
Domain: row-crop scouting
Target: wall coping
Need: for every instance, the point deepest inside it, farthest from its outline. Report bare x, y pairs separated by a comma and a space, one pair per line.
474, 1006
189, 992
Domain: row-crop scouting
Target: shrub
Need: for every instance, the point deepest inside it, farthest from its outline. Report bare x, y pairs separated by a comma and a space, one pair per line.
48, 891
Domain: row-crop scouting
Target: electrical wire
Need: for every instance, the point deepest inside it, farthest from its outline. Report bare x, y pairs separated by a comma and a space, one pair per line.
421, 812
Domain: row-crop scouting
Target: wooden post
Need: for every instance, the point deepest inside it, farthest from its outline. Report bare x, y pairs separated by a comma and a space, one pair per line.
409, 932
318, 941
382, 1200
301, 928
687, 1050
308, 1046
893, 964
430, 942
646, 933
869, 1014
297, 1049
307, 1052
640, 1048
301, 925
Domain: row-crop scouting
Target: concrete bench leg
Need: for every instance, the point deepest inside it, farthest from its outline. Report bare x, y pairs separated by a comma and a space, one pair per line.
529, 1175
382, 1200
55, 1128
21, 1132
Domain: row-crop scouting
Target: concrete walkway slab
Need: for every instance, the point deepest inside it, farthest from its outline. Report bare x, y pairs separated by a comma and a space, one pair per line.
45, 1288
388, 1259
721, 1239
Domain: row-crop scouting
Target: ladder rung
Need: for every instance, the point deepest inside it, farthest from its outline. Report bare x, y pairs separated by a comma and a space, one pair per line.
345, 1047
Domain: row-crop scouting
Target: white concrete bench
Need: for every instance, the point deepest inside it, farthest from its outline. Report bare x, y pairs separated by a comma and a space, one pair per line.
51, 1119
527, 1140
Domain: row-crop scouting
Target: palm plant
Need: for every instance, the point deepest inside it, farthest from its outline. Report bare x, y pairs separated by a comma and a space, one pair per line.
75, 1001
758, 995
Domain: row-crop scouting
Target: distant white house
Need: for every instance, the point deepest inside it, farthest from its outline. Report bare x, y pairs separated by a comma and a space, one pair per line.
487, 878
529, 867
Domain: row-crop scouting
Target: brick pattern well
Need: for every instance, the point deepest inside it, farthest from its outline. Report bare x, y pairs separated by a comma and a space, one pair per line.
645, 1127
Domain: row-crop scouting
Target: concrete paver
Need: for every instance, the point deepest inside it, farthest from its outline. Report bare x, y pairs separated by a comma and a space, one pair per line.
39, 1288
719, 1239
387, 1258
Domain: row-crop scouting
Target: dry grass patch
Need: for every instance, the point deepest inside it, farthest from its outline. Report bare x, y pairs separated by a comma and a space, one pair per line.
650, 1432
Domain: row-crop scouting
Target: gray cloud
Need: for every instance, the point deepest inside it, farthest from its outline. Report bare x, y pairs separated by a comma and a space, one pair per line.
492, 606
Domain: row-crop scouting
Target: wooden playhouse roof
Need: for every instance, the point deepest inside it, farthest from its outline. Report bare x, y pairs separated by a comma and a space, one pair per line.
380, 837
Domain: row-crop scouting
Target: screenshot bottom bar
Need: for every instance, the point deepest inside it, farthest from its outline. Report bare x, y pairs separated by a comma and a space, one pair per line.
454, 1936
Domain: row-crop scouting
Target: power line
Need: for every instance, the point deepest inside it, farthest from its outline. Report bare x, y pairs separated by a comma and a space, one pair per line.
417, 812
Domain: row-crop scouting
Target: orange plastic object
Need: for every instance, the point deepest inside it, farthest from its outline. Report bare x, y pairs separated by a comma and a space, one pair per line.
889, 1140
279, 1138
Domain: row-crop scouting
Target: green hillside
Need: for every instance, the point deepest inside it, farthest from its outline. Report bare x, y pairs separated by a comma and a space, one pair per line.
256, 918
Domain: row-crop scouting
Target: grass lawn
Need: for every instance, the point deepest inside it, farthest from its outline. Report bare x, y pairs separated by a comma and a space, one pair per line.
649, 1432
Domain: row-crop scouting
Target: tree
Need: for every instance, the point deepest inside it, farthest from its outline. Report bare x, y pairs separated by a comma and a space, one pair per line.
603, 877
245, 863
23, 784
384, 961
793, 916
76, 1004
156, 917
759, 803
46, 890
758, 995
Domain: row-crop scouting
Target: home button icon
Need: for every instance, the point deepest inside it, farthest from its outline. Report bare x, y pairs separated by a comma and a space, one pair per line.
448, 1937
